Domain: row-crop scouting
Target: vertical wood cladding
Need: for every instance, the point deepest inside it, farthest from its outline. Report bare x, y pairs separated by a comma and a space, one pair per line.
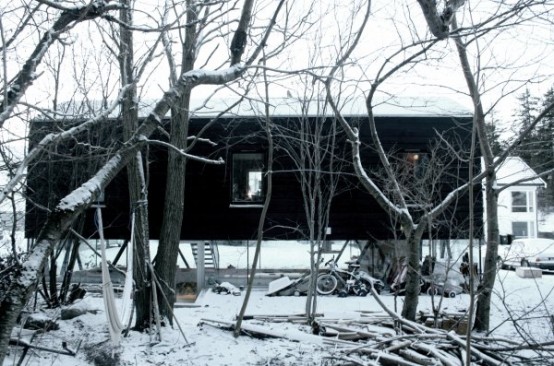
210, 213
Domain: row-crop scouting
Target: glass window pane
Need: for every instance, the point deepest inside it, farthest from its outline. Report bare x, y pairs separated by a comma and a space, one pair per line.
519, 229
247, 178
519, 202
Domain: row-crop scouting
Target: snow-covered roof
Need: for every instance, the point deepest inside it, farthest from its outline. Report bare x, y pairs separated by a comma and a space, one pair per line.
390, 106
403, 106
514, 169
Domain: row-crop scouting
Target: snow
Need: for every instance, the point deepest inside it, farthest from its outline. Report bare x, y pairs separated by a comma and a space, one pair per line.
526, 300
404, 105
514, 169
384, 106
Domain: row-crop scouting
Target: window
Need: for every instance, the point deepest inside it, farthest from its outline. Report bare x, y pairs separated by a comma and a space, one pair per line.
247, 177
523, 229
523, 201
416, 163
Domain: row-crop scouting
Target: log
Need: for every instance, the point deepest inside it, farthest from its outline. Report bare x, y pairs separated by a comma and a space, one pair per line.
261, 332
474, 351
444, 357
416, 357
279, 316
395, 346
339, 328
392, 358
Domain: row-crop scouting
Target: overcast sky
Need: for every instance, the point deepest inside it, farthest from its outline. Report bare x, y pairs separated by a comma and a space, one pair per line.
511, 59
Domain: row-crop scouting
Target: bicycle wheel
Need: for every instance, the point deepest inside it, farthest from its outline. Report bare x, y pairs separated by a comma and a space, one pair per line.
326, 284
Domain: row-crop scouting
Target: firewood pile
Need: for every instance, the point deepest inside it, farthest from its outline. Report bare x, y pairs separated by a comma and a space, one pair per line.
384, 339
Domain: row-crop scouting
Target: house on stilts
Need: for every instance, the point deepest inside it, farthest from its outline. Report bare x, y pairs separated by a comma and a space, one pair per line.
427, 141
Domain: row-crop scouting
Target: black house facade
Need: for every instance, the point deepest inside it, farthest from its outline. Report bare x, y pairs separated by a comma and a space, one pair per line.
223, 201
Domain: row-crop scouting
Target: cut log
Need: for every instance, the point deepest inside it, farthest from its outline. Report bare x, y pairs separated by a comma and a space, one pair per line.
416, 357
444, 357
361, 334
261, 332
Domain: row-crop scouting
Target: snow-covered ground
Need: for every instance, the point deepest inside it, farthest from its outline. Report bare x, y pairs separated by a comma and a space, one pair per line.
527, 301
546, 223
515, 298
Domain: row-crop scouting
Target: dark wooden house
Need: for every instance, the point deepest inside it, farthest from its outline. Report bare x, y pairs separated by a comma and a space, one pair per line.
223, 201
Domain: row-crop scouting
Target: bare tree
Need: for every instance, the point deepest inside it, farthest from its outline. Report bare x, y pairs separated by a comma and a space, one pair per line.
396, 205
510, 15
24, 277
438, 20
138, 190
310, 143
67, 18
166, 258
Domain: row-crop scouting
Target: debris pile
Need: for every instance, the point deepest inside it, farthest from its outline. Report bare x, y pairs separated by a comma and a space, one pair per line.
384, 339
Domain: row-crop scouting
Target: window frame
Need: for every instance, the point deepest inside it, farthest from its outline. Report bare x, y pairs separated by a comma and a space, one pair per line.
528, 206
529, 229
240, 193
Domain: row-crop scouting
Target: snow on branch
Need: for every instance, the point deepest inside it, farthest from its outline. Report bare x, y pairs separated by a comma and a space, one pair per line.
186, 155
52, 138
27, 74
89, 191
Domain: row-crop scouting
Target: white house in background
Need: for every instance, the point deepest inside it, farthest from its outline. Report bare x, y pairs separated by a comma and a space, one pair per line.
517, 200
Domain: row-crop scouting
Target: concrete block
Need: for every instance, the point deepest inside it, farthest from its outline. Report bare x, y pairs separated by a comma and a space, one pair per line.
528, 272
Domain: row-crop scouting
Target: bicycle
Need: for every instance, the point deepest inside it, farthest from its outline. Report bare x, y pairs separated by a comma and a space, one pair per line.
352, 281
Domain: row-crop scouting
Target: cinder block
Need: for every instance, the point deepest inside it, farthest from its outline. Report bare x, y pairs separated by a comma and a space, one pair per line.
528, 272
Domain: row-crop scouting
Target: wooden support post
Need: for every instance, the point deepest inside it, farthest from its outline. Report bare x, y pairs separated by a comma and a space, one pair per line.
120, 252
200, 267
183, 258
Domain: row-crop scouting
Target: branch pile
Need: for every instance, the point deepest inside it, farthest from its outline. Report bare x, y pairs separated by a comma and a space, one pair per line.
382, 339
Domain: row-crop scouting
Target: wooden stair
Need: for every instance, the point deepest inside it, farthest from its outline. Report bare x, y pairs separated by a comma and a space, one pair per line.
211, 255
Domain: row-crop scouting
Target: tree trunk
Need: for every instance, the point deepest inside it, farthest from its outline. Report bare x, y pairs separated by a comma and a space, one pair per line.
482, 314
411, 297
136, 182
170, 235
24, 279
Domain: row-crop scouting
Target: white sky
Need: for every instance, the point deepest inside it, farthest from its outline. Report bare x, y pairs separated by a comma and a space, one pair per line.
506, 60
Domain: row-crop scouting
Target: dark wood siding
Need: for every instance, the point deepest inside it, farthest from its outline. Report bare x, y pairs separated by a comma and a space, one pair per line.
209, 214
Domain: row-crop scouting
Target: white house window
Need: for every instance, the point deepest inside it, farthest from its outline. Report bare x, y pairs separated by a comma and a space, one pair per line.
523, 202
523, 229
247, 177
519, 229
